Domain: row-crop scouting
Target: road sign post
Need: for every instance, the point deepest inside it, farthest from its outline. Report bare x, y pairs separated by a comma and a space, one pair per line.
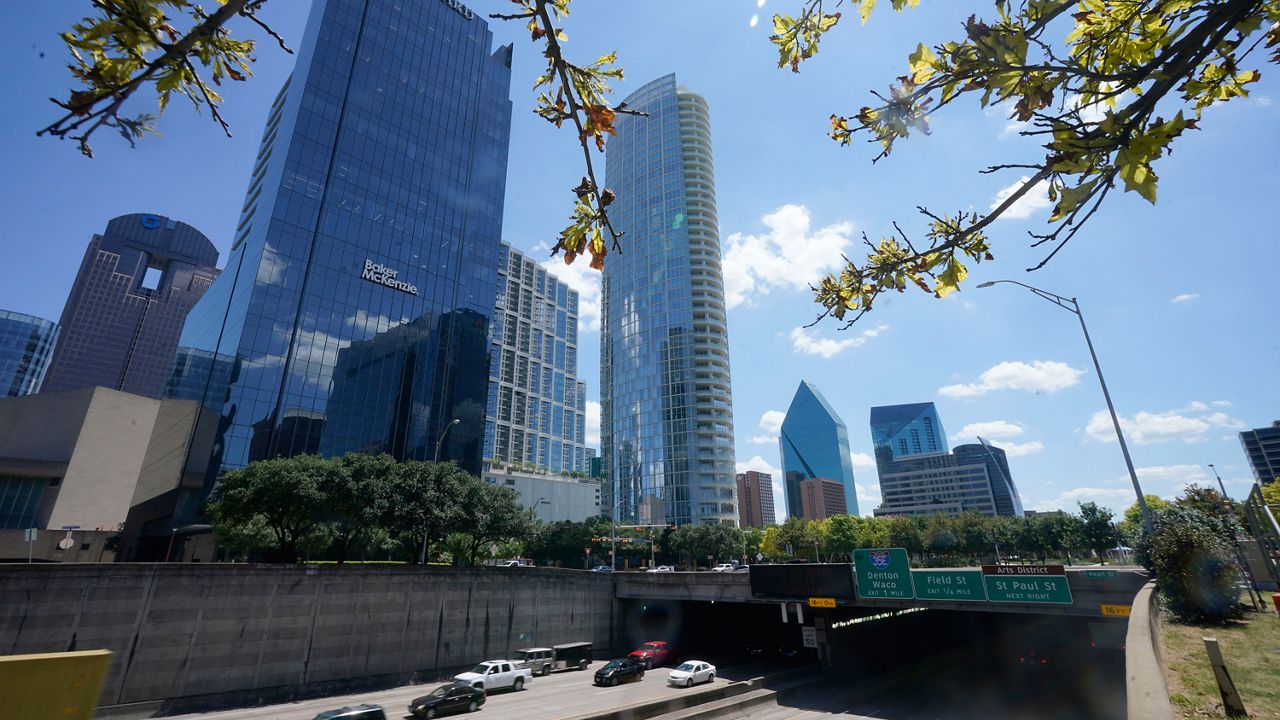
963, 585
883, 573
30, 535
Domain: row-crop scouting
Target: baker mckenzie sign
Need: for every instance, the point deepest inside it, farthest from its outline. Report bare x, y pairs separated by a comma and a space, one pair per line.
383, 275
459, 8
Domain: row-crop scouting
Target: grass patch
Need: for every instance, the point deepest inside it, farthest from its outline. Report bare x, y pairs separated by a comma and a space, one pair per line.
1251, 648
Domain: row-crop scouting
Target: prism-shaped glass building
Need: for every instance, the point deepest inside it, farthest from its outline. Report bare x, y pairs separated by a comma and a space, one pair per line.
899, 431
814, 443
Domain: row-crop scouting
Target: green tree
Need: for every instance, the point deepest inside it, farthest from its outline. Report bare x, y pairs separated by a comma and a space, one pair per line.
874, 533
423, 505
489, 514
1206, 500
284, 494
1271, 496
356, 491
1193, 562
1098, 533
975, 534
1107, 102
1069, 530
753, 539
941, 536
1131, 527
907, 533
844, 533
771, 543
698, 542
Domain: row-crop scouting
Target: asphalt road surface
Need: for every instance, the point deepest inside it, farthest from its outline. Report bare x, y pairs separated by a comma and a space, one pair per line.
559, 695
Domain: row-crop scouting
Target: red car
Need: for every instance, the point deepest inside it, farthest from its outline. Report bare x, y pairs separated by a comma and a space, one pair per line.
654, 654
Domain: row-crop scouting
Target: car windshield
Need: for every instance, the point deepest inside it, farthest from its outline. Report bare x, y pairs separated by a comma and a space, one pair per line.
520, 655
439, 692
480, 669
687, 667
613, 665
651, 646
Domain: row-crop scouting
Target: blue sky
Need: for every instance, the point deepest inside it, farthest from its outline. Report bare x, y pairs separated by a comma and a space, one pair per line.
1180, 297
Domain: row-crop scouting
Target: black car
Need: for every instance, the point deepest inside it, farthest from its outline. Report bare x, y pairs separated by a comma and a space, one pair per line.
355, 712
615, 671
448, 698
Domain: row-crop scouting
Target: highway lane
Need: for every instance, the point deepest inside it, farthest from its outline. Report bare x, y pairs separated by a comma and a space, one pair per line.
559, 695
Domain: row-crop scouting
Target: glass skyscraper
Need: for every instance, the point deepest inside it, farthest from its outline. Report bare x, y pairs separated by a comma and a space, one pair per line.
136, 284
899, 431
354, 309
537, 406
1262, 447
1005, 493
26, 344
814, 443
666, 409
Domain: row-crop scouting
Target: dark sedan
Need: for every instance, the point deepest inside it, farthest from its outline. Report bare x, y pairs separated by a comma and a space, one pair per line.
449, 698
615, 671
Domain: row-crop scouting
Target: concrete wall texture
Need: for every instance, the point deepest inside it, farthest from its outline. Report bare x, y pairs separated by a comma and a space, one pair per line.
188, 637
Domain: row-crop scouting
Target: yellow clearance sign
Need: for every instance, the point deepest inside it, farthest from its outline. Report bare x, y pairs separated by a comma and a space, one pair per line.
822, 602
1115, 610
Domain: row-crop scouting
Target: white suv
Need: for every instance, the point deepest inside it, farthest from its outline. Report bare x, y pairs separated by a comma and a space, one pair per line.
724, 567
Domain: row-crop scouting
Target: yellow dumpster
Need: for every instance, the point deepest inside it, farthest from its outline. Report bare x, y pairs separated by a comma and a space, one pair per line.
52, 686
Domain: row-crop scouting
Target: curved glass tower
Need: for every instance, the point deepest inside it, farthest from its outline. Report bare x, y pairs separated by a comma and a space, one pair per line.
666, 410
814, 444
26, 344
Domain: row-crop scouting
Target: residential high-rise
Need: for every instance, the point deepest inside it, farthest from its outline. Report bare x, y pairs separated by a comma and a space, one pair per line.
755, 499
814, 443
899, 431
666, 407
355, 304
136, 284
536, 412
1262, 447
26, 344
1003, 490
821, 498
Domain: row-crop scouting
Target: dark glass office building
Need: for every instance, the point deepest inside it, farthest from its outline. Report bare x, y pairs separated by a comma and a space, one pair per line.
1262, 447
666, 408
354, 309
814, 444
136, 284
1003, 490
899, 431
26, 344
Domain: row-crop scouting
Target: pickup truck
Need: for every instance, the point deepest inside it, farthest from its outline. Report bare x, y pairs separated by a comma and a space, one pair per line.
496, 674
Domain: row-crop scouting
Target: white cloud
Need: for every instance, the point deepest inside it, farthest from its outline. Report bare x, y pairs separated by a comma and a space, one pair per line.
1221, 403
1184, 297
790, 255
771, 423
1189, 424
1040, 376
862, 461
1115, 498
1035, 200
802, 341
586, 281
1168, 480
758, 464
1013, 449
991, 429
868, 498
593, 423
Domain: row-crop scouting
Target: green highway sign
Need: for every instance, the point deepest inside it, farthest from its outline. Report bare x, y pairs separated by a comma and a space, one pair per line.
949, 585
1028, 589
1100, 574
883, 573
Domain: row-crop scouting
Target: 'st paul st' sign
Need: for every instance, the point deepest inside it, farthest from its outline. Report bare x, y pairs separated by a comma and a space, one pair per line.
459, 8
383, 275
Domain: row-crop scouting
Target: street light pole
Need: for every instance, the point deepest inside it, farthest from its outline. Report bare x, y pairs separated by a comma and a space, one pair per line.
1220, 485
436, 459
1070, 305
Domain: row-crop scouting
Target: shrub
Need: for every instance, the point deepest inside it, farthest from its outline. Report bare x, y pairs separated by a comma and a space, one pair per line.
1194, 565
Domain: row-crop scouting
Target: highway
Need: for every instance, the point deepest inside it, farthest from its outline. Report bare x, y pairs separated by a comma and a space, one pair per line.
559, 695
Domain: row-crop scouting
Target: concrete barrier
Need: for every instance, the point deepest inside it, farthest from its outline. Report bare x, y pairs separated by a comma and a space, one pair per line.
1147, 692
190, 638
662, 706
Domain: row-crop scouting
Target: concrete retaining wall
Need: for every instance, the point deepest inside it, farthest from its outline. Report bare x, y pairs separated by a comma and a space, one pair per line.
1145, 687
188, 637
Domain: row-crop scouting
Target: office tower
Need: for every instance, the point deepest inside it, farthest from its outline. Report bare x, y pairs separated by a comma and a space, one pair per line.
26, 344
666, 409
755, 499
899, 431
937, 483
355, 304
1262, 447
1003, 491
814, 443
136, 284
537, 406
821, 498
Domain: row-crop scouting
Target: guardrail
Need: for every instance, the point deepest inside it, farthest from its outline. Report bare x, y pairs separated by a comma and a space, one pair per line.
1145, 687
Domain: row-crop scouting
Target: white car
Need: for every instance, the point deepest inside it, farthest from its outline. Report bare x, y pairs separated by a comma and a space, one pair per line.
692, 672
659, 568
724, 567
496, 674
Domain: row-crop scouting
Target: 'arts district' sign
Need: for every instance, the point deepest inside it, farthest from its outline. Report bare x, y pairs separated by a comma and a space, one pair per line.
383, 275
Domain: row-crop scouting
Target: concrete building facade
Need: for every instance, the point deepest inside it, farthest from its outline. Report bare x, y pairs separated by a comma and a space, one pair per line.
755, 499
552, 497
121, 323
